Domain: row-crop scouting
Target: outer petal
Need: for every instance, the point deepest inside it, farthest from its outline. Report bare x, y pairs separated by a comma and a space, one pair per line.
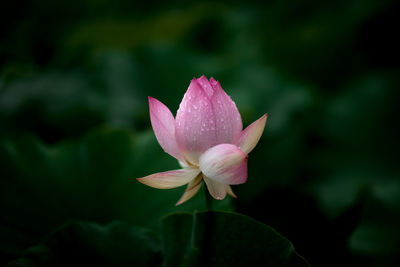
225, 164
163, 124
217, 190
228, 123
195, 123
251, 135
170, 179
191, 190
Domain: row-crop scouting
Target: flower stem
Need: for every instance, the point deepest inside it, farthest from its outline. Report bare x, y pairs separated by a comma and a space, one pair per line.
208, 200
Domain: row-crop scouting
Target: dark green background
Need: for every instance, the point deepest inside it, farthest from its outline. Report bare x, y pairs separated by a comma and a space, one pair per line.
75, 129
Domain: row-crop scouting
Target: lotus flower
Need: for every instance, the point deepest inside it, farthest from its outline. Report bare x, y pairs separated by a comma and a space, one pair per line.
206, 138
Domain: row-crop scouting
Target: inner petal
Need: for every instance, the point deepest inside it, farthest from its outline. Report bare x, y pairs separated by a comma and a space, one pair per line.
225, 163
195, 124
206, 85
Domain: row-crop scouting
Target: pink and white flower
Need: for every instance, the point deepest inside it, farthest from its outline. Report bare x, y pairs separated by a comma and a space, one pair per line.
207, 139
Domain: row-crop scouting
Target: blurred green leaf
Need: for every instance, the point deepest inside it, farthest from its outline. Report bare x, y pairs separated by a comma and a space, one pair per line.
93, 179
224, 239
81, 243
377, 238
195, 239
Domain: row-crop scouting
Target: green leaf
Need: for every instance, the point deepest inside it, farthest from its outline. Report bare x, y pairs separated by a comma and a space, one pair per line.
90, 179
377, 237
80, 243
224, 239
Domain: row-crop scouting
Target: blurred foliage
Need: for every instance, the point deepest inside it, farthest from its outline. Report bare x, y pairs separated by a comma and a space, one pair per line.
80, 243
75, 130
188, 240
216, 239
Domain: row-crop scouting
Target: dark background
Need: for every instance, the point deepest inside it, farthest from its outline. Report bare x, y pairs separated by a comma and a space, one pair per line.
75, 130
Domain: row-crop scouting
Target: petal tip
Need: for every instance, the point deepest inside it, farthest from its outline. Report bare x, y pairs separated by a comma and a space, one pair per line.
141, 180
180, 202
144, 181
229, 191
249, 138
265, 116
151, 99
213, 81
153, 102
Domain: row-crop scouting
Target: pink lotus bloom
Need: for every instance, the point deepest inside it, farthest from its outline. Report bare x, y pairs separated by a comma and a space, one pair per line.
206, 138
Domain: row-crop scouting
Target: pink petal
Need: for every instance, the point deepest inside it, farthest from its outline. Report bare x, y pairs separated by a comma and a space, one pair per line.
191, 190
170, 179
251, 135
195, 123
224, 163
217, 190
206, 85
207, 116
163, 124
228, 123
